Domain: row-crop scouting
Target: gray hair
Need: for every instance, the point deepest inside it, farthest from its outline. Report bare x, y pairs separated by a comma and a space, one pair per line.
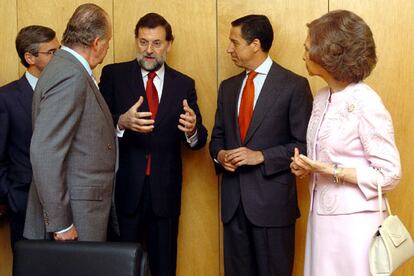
87, 23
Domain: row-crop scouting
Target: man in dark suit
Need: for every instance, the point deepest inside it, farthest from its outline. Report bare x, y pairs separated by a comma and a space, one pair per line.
155, 110
262, 115
73, 149
35, 46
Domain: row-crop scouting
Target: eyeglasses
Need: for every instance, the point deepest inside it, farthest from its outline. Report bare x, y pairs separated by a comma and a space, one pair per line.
156, 44
50, 52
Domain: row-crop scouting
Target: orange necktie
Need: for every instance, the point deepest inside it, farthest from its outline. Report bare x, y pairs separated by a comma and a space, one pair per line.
246, 105
152, 98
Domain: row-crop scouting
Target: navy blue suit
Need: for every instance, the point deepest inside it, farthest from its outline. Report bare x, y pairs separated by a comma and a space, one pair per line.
15, 135
159, 194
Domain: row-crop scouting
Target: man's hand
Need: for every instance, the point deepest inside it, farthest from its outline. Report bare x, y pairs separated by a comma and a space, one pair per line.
232, 159
244, 156
187, 120
136, 121
221, 157
70, 235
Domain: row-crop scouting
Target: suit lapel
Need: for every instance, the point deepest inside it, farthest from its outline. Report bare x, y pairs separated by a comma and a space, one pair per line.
25, 95
265, 101
168, 95
101, 101
233, 101
136, 84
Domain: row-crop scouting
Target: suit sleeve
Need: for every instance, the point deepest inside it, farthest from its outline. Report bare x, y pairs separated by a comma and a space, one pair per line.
58, 116
201, 130
277, 159
4, 159
106, 87
218, 133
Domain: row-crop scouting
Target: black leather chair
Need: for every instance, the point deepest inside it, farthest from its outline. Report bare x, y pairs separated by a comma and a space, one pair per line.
47, 258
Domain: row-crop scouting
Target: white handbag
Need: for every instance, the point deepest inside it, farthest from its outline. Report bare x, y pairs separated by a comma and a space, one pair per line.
392, 244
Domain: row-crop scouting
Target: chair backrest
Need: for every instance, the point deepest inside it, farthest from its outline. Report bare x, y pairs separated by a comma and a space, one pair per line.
46, 258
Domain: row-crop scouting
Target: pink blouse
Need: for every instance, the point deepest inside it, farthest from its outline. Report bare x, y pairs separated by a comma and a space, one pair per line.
353, 129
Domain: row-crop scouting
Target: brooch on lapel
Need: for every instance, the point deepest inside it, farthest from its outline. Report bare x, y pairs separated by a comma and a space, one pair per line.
350, 107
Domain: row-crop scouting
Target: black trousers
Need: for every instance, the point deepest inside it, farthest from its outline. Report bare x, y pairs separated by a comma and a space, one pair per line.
157, 234
16, 221
251, 250
17, 205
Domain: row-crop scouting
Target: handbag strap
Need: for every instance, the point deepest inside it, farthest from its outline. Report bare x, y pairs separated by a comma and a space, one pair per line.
387, 204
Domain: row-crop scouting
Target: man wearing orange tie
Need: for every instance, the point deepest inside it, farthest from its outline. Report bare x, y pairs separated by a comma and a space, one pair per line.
262, 115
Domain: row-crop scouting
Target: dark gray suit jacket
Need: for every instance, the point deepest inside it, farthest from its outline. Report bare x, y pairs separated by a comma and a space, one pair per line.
278, 125
73, 153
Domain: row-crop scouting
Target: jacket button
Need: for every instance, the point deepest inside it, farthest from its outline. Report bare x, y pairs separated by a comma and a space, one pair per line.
109, 147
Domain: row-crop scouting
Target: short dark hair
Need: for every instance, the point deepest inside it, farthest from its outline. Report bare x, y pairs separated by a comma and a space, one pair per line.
342, 43
88, 22
29, 38
256, 26
153, 20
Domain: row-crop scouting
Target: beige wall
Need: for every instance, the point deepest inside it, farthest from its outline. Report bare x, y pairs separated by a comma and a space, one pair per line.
201, 31
8, 71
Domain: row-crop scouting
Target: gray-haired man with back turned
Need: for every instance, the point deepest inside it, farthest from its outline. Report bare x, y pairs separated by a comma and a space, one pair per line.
73, 149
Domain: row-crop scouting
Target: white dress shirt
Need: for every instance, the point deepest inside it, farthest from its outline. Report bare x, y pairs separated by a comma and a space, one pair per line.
262, 70
31, 79
159, 85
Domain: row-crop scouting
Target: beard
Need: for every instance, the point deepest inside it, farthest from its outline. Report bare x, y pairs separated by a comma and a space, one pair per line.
152, 65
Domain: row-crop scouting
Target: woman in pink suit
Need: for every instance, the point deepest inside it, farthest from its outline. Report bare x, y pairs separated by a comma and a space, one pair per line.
351, 147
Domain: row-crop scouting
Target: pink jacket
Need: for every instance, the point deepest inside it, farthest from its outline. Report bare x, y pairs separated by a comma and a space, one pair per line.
353, 129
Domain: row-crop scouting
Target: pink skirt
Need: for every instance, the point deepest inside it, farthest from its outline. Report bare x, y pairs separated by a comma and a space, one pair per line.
337, 245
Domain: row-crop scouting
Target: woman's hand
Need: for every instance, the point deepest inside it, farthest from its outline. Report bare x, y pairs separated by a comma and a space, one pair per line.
302, 165
295, 166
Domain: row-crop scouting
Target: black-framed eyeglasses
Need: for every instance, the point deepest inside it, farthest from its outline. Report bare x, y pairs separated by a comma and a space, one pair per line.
50, 52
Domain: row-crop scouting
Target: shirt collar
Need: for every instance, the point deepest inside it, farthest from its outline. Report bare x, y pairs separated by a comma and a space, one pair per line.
263, 68
80, 58
160, 72
31, 79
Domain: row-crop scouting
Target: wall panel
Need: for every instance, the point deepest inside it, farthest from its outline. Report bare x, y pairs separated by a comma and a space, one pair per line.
289, 20
8, 31
8, 72
193, 53
56, 14
393, 79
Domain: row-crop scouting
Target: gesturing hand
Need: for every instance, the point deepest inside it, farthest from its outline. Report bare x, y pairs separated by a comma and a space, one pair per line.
136, 121
302, 165
187, 121
295, 165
